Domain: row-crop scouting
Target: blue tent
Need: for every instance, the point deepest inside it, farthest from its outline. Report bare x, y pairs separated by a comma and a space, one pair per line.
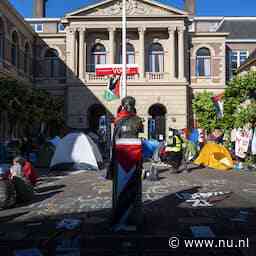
149, 147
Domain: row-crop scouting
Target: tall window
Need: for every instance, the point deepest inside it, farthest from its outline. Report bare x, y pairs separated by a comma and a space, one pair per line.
130, 54
52, 63
15, 48
156, 58
203, 62
1, 40
98, 56
237, 58
27, 59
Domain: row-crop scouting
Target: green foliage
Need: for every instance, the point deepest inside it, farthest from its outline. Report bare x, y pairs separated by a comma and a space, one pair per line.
204, 110
236, 93
28, 105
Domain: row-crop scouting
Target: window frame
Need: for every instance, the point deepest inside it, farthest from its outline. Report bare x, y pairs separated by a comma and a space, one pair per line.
204, 58
153, 55
2, 41
59, 30
98, 54
232, 71
38, 30
27, 58
128, 54
15, 50
54, 64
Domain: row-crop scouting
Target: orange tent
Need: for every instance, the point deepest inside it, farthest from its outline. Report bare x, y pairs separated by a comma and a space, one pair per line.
215, 156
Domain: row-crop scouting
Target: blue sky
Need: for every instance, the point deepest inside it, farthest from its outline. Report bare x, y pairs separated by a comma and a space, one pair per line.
57, 8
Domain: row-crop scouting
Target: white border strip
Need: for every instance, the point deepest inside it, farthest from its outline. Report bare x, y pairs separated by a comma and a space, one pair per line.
128, 141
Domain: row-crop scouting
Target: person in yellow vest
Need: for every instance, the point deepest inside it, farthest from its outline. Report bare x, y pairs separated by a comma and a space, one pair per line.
173, 149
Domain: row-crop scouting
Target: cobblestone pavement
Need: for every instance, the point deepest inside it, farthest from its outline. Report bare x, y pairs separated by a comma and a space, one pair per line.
87, 196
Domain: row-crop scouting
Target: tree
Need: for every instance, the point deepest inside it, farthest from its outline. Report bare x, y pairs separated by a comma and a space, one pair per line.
239, 90
204, 110
26, 106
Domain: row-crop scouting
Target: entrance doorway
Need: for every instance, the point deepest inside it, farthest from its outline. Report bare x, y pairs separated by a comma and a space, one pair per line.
95, 112
157, 122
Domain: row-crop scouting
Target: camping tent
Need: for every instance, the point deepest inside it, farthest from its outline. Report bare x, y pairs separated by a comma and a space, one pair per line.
149, 147
215, 156
76, 151
45, 155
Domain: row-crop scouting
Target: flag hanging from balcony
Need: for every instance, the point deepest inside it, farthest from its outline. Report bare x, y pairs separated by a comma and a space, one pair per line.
218, 101
113, 89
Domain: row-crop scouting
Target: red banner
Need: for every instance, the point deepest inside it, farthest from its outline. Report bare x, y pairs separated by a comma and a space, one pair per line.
104, 70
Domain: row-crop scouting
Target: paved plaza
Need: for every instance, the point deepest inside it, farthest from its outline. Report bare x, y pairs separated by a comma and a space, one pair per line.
87, 196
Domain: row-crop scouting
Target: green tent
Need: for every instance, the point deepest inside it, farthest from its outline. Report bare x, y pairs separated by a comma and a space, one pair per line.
45, 155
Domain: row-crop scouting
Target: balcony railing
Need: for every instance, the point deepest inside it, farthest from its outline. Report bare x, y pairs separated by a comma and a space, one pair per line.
150, 76
156, 76
91, 76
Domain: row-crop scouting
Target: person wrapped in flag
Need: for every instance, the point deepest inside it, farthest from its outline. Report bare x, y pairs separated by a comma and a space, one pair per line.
126, 167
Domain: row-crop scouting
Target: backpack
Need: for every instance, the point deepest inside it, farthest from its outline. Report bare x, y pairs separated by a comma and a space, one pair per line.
7, 194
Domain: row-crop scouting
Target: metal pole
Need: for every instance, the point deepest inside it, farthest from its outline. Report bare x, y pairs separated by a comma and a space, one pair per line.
124, 90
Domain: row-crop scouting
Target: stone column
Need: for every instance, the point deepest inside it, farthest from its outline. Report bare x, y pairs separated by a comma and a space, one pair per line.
142, 51
181, 52
112, 46
82, 54
172, 52
71, 46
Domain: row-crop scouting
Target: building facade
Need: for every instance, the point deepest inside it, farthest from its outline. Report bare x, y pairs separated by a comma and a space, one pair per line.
178, 55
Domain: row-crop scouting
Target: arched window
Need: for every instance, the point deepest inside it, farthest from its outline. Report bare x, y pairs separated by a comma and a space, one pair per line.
1, 39
130, 54
156, 58
15, 48
203, 62
27, 59
98, 56
52, 63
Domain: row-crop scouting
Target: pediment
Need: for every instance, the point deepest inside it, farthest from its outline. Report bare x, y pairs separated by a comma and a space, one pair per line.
139, 8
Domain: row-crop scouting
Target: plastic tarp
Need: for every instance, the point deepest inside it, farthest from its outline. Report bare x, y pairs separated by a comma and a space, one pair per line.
194, 136
215, 156
149, 147
76, 151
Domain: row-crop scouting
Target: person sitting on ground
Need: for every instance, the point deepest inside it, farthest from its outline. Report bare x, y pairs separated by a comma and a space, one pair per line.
7, 193
216, 136
173, 151
24, 189
27, 169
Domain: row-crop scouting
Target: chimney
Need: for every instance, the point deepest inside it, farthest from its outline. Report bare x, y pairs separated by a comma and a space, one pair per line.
190, 7
39, 8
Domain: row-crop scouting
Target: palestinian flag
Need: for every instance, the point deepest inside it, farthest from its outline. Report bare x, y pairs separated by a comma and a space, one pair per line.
113, 89
219, 104
127, 184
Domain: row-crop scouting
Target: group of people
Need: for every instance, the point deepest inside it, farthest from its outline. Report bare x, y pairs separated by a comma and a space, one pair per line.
17, 184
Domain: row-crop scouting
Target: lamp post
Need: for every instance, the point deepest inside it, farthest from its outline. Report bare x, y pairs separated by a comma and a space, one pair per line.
124, 89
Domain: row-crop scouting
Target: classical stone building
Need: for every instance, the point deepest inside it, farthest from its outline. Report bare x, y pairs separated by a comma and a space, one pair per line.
178, 55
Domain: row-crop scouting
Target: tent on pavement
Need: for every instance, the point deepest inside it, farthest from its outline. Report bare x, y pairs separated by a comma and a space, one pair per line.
215, 156
76, 151
45, 155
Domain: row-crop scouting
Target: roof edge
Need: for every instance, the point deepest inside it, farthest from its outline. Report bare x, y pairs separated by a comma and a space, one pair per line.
88, 7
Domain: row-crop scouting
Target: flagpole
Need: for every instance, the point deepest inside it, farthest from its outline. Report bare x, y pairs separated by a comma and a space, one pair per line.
124, 89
